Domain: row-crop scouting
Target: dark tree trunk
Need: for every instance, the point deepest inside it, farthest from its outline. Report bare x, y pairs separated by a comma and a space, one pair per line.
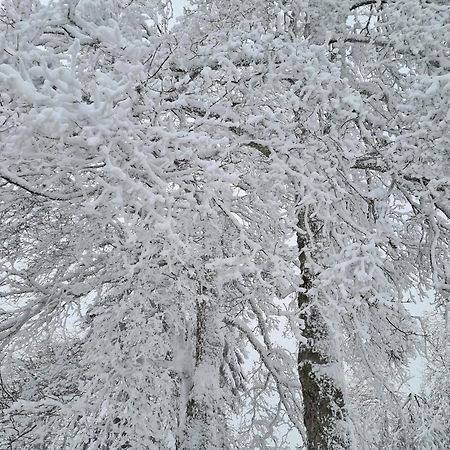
323, 400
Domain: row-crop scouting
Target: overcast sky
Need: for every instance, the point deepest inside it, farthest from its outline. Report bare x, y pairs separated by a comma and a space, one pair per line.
178, 7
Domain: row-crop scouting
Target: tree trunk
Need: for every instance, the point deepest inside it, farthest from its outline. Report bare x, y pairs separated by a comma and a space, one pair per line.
204, 426
323, 399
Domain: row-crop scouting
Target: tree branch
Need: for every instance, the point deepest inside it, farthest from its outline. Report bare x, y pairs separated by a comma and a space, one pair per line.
366, 3
17, 181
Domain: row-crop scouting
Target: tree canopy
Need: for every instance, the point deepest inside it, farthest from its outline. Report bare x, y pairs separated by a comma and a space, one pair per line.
213, 228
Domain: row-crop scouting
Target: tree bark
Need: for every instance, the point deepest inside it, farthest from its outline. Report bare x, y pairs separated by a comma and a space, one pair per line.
204, 426
323, 399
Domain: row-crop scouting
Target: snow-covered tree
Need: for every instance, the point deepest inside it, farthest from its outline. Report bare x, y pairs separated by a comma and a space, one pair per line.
325, 96
109, 217
262, 179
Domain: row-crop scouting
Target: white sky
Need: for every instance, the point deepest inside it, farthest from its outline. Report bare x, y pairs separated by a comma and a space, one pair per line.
178, 7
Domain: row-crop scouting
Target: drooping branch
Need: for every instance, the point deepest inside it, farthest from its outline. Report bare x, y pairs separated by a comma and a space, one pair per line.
282, 384
23, 184
366, 3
